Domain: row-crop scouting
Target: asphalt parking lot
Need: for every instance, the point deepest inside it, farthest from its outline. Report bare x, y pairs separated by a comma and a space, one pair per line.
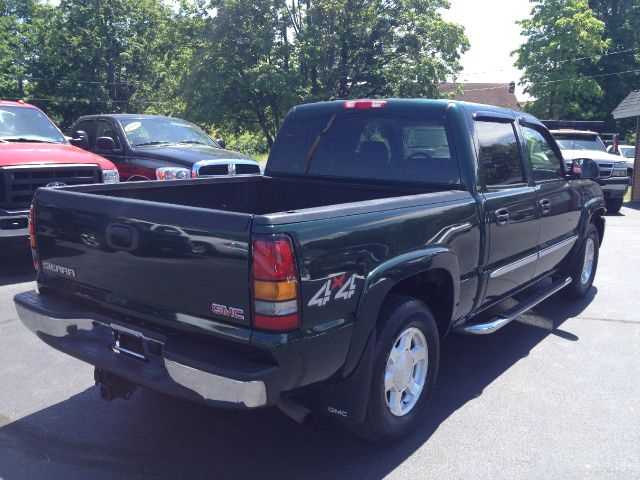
556, 394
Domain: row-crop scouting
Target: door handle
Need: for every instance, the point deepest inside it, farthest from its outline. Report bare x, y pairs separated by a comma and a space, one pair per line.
545, 206
502, 216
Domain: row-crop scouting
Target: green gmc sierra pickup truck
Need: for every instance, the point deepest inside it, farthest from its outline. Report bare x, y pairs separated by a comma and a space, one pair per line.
378, 227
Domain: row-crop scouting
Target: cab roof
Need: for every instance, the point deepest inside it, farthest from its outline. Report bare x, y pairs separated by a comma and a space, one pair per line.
397, 104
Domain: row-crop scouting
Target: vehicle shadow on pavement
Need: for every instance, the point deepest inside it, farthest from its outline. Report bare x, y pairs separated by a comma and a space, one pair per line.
15, 264
155, 436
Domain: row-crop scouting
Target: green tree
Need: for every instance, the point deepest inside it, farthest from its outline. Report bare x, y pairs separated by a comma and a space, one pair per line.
99, 55
622, 28
264, 56
15, 19
241, 78
376, 48
558, 33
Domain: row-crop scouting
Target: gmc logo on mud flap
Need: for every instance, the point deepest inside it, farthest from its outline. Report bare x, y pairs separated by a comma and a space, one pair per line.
69, 272
225, 311
335, 411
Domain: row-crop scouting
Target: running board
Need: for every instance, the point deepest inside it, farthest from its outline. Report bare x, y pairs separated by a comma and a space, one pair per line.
501, 320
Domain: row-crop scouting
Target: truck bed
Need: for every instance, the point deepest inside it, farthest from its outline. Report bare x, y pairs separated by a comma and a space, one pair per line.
256, 195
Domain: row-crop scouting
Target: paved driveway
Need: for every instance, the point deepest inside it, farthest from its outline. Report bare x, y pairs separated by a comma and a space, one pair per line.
554, 395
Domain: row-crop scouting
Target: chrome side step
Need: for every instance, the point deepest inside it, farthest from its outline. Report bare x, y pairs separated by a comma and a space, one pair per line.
501, 320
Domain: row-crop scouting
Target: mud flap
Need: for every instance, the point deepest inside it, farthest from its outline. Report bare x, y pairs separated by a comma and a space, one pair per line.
348, 399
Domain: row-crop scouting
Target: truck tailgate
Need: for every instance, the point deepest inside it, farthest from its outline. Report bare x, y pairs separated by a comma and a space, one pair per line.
142, 255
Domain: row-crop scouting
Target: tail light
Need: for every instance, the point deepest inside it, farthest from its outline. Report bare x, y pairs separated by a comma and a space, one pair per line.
364, 104
275, 284
32, 237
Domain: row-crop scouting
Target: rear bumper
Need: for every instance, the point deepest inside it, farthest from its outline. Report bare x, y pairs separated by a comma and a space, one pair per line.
614, 187
190, 371
14, 224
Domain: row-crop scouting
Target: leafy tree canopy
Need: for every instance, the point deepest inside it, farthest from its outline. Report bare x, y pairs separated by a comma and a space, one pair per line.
558, 32
236, 65
264, 56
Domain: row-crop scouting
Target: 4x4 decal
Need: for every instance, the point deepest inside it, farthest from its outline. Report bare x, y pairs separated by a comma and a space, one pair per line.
345, 291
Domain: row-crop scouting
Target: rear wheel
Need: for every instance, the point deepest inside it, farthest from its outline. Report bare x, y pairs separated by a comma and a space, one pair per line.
583, 268
614, 205
404, 371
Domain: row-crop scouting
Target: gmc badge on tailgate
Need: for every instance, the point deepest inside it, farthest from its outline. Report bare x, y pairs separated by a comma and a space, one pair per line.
225, 311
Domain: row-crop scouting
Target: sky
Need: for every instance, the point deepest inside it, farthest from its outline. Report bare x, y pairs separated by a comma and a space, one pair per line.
493, 35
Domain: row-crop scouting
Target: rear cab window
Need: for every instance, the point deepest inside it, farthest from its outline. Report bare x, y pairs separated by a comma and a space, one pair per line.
380, 145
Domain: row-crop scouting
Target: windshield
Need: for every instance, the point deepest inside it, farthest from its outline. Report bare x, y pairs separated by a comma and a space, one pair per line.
158, 131
366, 146
25, 124
572, 141
628, 152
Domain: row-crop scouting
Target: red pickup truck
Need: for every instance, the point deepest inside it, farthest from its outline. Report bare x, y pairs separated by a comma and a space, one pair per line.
33, 154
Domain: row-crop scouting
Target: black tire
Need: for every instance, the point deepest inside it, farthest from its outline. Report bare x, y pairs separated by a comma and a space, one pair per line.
398, 314
579, 288
614, 205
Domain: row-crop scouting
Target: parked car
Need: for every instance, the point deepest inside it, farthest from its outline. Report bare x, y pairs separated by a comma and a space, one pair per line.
149, 147
614, 175
628, 153
34, 154
379, 227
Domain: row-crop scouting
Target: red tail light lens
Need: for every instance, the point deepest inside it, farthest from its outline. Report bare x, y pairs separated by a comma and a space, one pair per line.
280, 323
275, 284
273, 259
32, 237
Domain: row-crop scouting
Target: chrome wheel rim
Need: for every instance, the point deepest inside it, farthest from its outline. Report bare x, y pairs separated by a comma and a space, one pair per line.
587, 264
406, 372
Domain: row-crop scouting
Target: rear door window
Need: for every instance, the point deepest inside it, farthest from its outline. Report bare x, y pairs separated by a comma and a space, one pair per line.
368, 146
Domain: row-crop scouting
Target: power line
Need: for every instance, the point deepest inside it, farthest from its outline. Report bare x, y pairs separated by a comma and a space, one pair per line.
555, 81
66, 80
80, 100
618, 52
132, 84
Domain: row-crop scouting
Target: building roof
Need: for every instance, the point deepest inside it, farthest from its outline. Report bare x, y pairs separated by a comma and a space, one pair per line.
629, 107
487, 93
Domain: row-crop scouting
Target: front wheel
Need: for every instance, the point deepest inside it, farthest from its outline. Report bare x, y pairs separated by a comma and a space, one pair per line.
583, 268
404, 371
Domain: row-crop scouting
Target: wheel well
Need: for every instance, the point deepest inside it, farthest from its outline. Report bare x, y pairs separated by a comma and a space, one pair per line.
137, 178
598, 221
435, 288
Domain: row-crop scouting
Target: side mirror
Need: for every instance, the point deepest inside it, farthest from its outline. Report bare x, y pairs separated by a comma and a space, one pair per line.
586, 167
222, 143
105, 144
80, 139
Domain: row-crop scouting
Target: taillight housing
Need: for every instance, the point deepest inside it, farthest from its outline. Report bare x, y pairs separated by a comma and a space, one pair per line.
32, 237
275, 284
